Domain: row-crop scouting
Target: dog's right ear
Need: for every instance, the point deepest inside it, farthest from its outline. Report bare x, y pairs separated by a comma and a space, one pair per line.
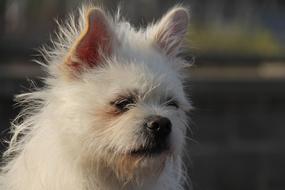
95, 42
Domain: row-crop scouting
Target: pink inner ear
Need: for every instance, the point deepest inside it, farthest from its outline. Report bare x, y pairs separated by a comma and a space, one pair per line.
88, 48
94, 42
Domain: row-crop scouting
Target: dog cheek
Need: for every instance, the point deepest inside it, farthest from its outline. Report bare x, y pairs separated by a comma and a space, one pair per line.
112, 129
177, 138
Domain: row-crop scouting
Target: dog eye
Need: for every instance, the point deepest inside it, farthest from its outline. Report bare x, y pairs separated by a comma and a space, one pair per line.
172, 103
123, 104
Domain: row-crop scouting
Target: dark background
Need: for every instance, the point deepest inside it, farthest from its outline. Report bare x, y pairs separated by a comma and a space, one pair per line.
237, 82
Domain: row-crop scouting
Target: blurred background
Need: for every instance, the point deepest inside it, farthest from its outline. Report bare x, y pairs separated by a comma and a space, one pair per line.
237, 82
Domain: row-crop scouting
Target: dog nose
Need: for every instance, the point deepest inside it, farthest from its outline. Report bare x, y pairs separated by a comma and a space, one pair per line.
159, 126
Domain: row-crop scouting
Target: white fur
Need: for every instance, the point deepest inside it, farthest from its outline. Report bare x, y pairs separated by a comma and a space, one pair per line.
62, 143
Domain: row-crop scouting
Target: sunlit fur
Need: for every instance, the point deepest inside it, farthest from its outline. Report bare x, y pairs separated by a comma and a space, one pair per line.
68, 136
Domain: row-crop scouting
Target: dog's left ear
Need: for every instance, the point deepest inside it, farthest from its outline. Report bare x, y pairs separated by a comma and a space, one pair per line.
170, 31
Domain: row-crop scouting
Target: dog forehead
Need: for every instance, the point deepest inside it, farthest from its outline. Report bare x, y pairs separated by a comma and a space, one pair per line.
138, 64
121, 76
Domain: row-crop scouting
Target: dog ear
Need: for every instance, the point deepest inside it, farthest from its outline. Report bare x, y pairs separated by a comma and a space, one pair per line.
95, 42
171, 30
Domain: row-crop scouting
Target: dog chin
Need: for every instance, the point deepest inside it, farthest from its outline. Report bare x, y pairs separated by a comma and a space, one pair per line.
142, 163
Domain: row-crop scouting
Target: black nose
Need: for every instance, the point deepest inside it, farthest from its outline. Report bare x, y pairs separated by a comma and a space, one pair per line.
158, 125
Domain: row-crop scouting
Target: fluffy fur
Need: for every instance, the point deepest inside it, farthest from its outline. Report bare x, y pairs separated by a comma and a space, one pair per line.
69, 136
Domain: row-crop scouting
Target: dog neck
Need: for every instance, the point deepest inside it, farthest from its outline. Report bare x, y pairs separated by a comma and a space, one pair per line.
50, 165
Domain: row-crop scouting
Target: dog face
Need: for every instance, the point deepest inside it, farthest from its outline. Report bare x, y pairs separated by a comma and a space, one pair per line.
120, 94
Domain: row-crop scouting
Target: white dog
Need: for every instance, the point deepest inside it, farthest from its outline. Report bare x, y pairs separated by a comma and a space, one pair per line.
112, 114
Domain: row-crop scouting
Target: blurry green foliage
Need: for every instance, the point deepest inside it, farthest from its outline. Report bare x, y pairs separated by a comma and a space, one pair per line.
234, 39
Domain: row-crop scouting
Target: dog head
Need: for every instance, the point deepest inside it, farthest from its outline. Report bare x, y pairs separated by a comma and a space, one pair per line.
119, 94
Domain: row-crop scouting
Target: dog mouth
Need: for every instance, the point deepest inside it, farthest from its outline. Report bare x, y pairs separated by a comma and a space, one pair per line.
150, 150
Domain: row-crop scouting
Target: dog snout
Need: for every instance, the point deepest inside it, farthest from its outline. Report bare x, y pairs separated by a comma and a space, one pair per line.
158, 126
